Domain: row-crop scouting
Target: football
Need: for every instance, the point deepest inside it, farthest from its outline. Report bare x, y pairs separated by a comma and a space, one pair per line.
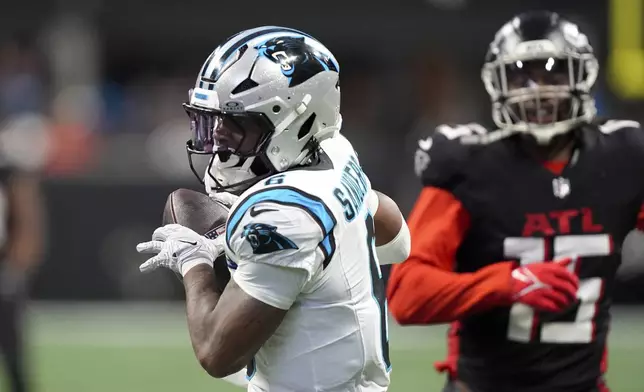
204, 215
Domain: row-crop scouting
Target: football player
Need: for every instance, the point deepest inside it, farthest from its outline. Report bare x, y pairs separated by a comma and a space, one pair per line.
21, 244
306, 302
517, 232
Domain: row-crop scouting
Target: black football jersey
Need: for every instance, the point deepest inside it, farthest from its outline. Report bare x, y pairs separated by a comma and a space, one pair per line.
522, 211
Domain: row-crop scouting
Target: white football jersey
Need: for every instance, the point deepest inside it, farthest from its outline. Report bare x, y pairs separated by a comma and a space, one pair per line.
303, 240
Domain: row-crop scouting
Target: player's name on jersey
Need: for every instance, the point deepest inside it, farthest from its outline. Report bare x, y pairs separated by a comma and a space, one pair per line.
352, 190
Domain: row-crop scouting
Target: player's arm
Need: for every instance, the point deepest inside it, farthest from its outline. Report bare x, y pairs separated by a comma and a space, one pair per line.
636, 142
640, 219
632, 265
392, 234
424, 289
25, 246
227, 330
632, 150
275, 250
25, 229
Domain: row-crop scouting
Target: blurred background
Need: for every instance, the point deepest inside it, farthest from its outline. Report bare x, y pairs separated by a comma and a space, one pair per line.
90, 101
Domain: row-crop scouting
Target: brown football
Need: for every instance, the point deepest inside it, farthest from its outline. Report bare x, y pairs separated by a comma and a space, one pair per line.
204, 215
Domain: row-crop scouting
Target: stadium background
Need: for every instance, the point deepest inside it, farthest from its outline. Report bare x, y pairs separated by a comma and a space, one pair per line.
91, 92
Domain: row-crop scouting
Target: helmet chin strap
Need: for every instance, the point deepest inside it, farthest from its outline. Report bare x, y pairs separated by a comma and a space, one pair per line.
324, 134
330, 131
227, 174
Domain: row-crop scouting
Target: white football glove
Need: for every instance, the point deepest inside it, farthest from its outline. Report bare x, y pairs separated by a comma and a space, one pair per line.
179, 249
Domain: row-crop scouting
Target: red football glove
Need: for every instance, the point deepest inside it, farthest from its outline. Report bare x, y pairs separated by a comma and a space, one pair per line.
547, 286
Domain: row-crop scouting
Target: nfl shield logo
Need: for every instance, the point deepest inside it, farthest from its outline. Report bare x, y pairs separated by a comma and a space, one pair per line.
561, 187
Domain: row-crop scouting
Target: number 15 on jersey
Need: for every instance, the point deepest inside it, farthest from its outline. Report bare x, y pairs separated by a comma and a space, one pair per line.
523, 321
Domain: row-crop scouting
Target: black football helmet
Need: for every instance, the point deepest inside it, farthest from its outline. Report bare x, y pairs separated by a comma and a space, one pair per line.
539, 71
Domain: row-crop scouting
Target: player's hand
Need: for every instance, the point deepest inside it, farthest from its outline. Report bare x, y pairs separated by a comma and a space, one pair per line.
547, 286
179, 249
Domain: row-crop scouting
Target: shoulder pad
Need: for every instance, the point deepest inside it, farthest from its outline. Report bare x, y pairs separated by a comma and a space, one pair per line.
627, 133
459, 131
282, 226
624, 141
271, 205
611, 126
441, 156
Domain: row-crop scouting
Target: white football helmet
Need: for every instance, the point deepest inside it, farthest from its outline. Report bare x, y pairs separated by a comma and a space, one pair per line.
263, 101
539, 72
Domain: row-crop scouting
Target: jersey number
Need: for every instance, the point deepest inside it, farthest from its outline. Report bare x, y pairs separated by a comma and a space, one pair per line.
275, 180
523, 320
378, 286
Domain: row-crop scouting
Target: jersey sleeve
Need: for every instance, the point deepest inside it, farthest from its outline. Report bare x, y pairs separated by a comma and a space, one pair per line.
276, 240
442, 157
425, 289
637, 143
640, 219
630, 149
271, 284
630, 145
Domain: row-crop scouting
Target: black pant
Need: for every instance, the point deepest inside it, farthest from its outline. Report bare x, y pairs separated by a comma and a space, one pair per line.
11, 344
459, 386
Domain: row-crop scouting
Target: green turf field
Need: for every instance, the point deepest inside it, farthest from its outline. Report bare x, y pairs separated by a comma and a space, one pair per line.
145, 347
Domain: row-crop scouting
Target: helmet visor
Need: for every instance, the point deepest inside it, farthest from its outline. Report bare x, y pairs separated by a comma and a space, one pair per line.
244, 134
540, 91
